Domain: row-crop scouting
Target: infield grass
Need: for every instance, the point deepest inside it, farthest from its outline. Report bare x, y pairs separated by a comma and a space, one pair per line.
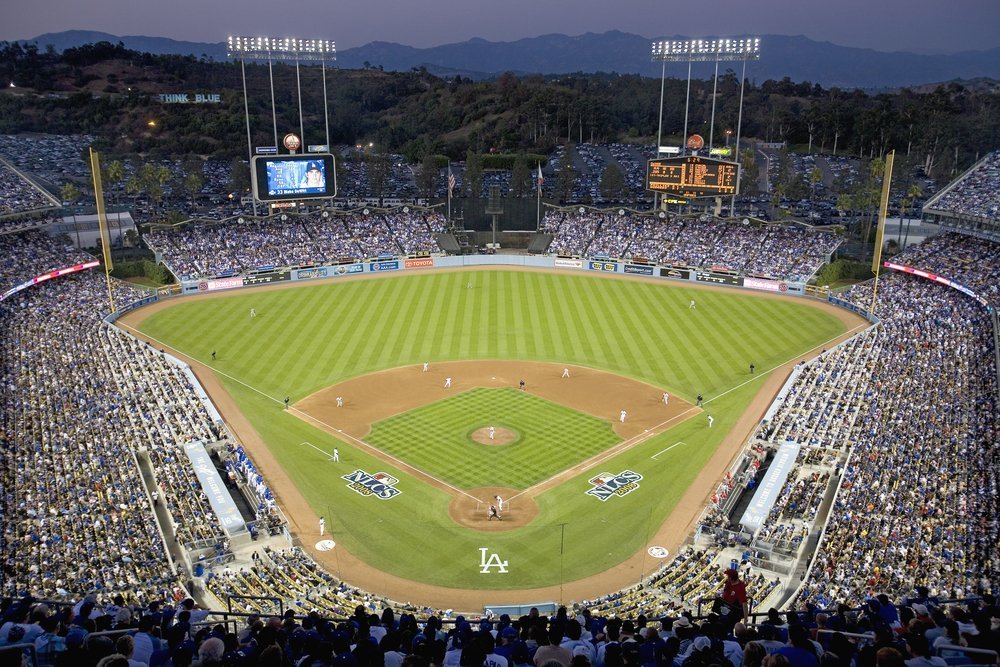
307, 338
435, 438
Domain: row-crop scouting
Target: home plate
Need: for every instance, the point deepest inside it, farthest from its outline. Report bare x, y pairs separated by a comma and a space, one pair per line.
325, 545
494, 377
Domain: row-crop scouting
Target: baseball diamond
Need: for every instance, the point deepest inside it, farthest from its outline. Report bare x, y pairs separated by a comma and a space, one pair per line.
364, 339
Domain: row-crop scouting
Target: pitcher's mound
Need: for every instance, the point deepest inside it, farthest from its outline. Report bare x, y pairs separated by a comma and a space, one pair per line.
501, 436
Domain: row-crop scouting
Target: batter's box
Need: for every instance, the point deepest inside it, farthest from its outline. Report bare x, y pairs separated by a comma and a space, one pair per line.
664, 451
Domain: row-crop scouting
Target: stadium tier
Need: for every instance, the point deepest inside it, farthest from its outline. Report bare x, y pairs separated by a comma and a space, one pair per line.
891, 476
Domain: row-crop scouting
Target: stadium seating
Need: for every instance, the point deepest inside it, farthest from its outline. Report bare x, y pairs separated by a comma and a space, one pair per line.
904, 415
771, 251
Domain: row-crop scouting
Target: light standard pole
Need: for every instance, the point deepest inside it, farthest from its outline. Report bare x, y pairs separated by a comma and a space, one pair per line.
270, 49
700, 50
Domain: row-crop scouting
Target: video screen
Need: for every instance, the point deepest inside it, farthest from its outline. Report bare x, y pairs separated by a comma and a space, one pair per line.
294, 177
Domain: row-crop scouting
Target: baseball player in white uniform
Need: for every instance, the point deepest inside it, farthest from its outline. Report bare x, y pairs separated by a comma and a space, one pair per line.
493, 432
666, 398
621, 416
447, 383
565, 373
340, 401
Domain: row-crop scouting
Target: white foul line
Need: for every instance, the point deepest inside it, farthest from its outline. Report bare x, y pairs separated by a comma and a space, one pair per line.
663, 451
378, 453
306, 442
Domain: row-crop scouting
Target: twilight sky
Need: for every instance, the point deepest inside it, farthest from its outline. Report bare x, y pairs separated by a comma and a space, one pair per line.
923, 26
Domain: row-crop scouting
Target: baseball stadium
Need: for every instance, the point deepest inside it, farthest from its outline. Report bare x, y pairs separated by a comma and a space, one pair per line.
358, 419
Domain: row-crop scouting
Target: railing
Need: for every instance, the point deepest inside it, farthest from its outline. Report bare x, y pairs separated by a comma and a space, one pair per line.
30, 648
968, 651
276, 600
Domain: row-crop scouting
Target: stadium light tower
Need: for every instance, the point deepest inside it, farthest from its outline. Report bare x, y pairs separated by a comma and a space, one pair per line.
286, 49
705, 50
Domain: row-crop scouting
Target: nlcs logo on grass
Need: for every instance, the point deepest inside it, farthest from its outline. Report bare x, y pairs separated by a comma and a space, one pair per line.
381, 485
607, 485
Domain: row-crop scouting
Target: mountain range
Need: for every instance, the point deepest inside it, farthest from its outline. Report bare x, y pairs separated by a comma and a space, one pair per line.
796, 57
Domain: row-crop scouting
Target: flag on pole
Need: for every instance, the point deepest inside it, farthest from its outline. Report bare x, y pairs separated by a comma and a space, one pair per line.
451, 181
541, 179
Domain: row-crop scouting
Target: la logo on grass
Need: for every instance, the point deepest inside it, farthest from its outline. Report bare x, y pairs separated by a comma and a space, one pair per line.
381, 485
493, 561
607, 485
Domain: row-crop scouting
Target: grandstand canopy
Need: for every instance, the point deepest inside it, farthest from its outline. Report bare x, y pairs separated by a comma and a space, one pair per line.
971, 203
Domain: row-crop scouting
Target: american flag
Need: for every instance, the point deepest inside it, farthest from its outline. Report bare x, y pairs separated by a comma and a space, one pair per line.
451, 181
541, 179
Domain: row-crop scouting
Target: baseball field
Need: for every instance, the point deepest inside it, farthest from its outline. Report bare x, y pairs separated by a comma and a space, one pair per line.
586, 488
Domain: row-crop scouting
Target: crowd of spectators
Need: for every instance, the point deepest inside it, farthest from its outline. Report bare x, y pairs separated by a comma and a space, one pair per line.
977, 193
110, 633
914, 506
775, 251
76, 517
80, 401
967, 260
232, 246
929, 417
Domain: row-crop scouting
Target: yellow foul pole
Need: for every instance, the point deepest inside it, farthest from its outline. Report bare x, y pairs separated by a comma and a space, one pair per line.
102, 221
883, 209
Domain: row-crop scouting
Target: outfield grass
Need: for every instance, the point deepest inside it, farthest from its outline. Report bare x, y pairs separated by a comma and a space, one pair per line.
435, 438
312, 336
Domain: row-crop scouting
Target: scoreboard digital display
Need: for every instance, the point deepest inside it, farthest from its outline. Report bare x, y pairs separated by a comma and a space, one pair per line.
692, 176
285, 177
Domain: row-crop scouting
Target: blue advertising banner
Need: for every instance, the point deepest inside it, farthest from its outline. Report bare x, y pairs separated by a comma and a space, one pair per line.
384, 266
770, 487
213, 486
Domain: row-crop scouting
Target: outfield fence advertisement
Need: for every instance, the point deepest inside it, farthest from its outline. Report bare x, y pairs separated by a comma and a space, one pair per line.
684, 274
608, 267
639, 269
384, 266
717, 278
766, 285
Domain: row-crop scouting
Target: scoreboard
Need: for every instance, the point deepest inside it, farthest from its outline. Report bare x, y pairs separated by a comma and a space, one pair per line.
692, 176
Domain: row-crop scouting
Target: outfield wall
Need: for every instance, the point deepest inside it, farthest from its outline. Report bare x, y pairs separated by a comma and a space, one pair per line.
674, 273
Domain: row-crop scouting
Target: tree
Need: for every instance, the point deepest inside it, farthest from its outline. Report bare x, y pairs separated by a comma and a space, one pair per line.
473, 179
868, 197
239, 176
613, 183
71, 195
749, 172
815, 178
520, 178
113, 176
193, 178
914, 193
428, 176
379, 169
566, 179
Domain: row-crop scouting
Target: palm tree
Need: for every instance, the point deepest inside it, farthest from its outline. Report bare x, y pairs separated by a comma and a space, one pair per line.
114, 176
914, 193
71, 194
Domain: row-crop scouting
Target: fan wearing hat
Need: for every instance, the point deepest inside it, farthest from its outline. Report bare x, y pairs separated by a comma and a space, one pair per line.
314, 176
